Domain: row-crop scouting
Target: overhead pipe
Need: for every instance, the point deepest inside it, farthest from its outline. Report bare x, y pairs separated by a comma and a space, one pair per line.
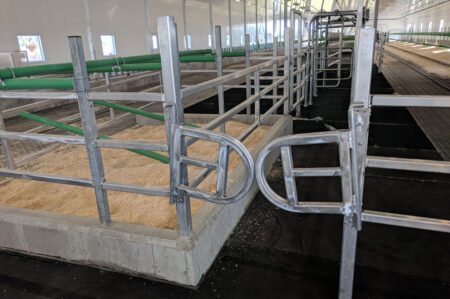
38, 83
10, 73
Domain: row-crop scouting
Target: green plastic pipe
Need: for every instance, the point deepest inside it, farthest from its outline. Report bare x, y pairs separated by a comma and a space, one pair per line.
38, 83
78, 131
151, 66
10, 73
136, 111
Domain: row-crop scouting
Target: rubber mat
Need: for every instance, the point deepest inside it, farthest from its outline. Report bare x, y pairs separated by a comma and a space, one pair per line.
434, 122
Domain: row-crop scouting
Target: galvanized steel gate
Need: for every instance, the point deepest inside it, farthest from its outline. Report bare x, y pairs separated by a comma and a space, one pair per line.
353, 162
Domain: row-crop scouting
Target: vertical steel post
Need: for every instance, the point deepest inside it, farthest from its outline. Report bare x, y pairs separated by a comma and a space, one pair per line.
211, 24
314, 54
257, 102
362, 68
220, 96
310, 56
348, 254
275, 70
108, 89
148, 32
375, 19
174, 115
349, 233
248, 82
9, 161
381, 50
359, 14
230, 26
308, 68
286, 71
299, 60
81, 87
291, 41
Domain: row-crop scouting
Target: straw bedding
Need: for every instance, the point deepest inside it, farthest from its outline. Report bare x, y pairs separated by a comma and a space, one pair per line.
120, 166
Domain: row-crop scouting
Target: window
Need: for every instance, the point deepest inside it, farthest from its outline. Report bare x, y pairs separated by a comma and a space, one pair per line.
408, 27
421, 27
155, 41
228, 40
414, 28
189, 41
209, 41
242, 40
108, 45
33, 46
430, 25
441, 25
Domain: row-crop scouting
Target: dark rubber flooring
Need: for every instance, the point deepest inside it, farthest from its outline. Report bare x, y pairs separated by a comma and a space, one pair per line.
276, 254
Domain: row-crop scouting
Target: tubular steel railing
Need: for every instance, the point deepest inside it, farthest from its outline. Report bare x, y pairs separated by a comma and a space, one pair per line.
353, 162
179, 136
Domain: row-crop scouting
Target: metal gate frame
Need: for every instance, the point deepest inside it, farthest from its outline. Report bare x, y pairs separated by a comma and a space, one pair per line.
353, 143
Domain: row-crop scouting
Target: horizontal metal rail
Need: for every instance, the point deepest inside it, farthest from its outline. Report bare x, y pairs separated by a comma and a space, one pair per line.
224, 79
18, 174
238, 108
137, 145
410, 101
132, 188
126, 96
37, 95
48, 138
439, 225
408, 164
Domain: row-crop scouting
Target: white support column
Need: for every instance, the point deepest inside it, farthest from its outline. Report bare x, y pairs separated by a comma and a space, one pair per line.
211, 24
230, 25
256, 24
185, 34
147, 28
285, 20
88, 29
245, 19
274, 23
265, 24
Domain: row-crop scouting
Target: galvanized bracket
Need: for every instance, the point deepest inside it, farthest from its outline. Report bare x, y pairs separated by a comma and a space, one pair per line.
358, 117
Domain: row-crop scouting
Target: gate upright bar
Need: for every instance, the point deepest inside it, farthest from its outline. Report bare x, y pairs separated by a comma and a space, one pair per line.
174, 115
81, 87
